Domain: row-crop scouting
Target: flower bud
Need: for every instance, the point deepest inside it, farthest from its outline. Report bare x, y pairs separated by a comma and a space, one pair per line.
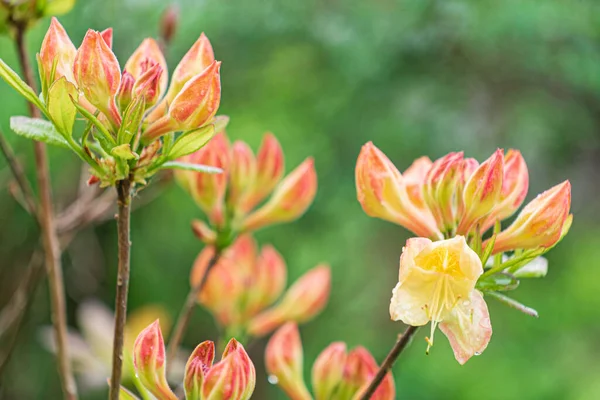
440, 186
208, 190
328, 370
269, 170
232, 378
143, 58
149, 362
304, 300
203, 232
168, 23
481, 192
290, 199
107, 36
56, 48
196, 368
194, 106
284, 361
515, 184
359, 370
98, 75
241, 172
125, 94
269, 280
414, 179
381, 191
147, 85
540, 223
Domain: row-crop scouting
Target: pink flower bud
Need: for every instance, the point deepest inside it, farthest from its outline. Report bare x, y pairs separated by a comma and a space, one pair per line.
57, 48
147, 85
125, 94
98, 75
208, 190
269, 170
481, 192
194, 106
143, 58
232, 378
241, 172
284, 361
440, 186
169, 22
303, 301
107, 36
328, 370
359, 370
290, 199
269, 277
515, 184
149, 362
414, 179
540, 223
196, 369
382, 193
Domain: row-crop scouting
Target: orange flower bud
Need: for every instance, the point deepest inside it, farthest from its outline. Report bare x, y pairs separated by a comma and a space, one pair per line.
290, 199
328, 370
125, 94
414, 179
203, 232
482, 191
382, 193
359, 370
147, 85
269, 170
56, 48
304, 300
143, 58
149, 362
241, 172
107, 36
208, 190
440, 186
194, 106
269, 277
232, 378
98, 75
284, 361
196, 368
540, 223
515, 184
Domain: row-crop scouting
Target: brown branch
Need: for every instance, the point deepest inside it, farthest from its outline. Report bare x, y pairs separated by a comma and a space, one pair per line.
186, 312
389, 361
49, 238
123, 229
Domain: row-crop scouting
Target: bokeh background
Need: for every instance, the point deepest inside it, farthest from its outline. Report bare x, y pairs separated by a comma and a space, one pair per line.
419, 77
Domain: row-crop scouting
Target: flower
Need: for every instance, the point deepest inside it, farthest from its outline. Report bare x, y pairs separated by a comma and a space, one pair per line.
437, 283
253, 281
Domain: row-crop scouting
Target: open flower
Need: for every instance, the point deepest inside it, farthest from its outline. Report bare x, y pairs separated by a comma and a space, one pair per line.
253, 281
437, 284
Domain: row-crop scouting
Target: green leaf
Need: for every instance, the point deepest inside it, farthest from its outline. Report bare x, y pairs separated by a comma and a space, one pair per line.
103, 136
191, 141
124, 152
14, 80
38, 129
487, 252
61, 109
512, 303
132, 119
191, 167
58, 7
125, 394
500, 282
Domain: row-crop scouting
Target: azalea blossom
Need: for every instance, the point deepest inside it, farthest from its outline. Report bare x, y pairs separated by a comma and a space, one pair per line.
437, 284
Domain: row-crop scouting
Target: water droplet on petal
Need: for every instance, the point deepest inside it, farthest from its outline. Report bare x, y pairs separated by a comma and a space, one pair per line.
477, 353
273, 379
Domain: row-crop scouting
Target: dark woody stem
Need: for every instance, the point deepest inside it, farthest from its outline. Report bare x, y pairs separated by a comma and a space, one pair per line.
49, 237
188, 307
123, 231
389, 361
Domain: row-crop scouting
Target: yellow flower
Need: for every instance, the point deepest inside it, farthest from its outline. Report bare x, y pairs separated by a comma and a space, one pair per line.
437, 283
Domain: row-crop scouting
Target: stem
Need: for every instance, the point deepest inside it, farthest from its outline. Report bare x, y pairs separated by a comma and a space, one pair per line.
389, 361
49, 238
188, 307
123, 229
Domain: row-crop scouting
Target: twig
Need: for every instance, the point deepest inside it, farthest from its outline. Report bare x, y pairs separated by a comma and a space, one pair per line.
19, 174
49, 238
188, 307
123, 229
389, 361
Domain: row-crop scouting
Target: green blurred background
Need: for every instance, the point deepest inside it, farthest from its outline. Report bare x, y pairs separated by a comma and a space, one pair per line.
417, 78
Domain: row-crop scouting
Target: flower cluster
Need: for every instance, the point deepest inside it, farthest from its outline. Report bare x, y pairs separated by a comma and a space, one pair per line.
254, 281
459, 200
232, 378
230, 199
336, 373
128, 111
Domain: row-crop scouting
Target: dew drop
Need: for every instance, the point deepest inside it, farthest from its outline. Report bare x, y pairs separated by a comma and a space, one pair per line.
273, 380
477, 353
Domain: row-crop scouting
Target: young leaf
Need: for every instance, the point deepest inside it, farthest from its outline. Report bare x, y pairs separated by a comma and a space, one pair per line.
500, 282
220, 122
14, 80
514, 304
60, 107
132, 118
191, 167
191, 141
124, 152
38, 129
58, 7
